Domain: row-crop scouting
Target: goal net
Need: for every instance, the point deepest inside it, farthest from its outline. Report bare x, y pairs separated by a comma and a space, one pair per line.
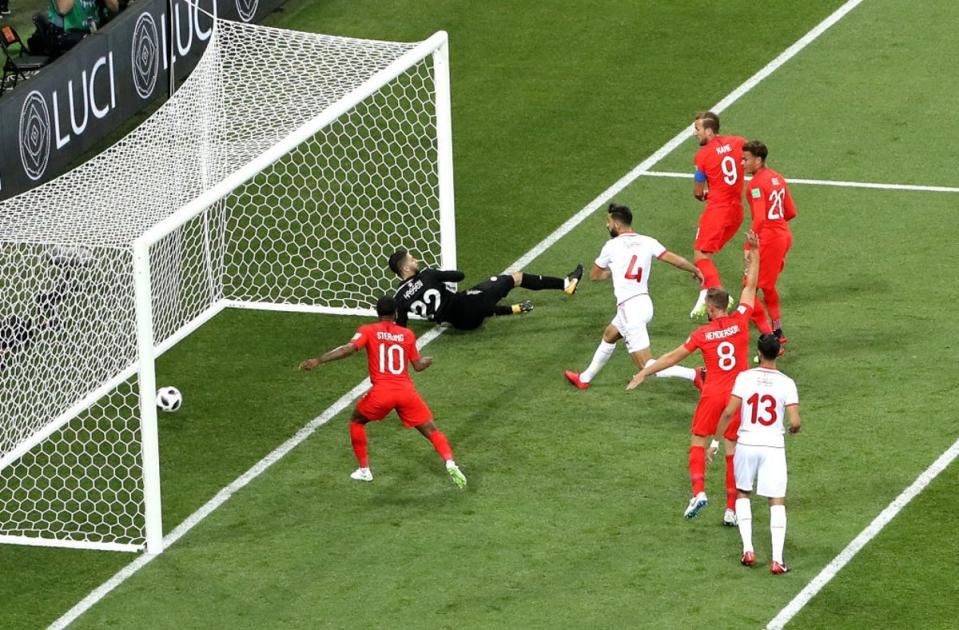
280, 176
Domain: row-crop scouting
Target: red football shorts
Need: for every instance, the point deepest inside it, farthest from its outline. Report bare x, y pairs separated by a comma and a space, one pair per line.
409, 406
707, 414
772, 258
717, 225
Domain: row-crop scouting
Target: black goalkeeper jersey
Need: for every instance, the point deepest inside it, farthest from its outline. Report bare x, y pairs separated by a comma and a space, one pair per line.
426, 295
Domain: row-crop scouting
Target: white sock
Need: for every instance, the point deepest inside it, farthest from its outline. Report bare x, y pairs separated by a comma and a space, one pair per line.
777, 527
744, 512
600, 357
678, 371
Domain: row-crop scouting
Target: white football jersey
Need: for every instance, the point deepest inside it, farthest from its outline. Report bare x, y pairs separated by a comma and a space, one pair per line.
765, 394
630, 258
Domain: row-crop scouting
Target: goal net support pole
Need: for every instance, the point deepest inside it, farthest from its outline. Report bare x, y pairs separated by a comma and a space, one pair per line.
444, 141
185, 266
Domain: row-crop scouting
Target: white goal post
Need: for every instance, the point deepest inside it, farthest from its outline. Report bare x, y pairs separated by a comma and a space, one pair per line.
278, 182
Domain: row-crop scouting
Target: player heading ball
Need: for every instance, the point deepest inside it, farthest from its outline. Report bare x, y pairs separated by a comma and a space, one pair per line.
424, 292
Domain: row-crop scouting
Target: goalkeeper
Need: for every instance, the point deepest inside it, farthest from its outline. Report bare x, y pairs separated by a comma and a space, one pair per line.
424, 293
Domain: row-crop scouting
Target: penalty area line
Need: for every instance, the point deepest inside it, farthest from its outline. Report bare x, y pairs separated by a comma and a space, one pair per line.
829, 182
221, 497
871, 531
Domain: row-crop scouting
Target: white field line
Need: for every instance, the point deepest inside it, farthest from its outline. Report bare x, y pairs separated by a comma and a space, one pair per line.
830, 182
643, 167
847, 554
221, 497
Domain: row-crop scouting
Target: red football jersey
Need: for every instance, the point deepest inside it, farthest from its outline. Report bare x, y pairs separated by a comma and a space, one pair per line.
389, 349
721, 160
724, 343
770, 202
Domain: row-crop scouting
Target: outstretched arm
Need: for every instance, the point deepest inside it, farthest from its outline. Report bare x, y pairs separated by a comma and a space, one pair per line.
340, 352
599, 273
667, 360
450, 276
681, 263
748, 296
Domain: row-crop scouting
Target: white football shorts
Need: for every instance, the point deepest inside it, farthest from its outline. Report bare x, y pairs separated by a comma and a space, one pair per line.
631, 319
766, 465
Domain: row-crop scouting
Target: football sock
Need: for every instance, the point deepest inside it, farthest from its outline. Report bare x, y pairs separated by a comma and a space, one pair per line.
777, 527
697, 468
709, 271
730, 484
600, 357
676, 371
534, 282
441, 445
759, 317
358, 438
778, 328
502, 309
744, 513
771, 298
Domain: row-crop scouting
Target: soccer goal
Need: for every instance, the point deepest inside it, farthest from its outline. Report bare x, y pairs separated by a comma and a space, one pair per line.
277, 182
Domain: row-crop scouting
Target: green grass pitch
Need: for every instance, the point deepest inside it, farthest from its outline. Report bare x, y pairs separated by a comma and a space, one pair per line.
573, 513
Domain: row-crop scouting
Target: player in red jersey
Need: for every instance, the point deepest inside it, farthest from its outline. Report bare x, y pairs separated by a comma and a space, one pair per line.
718, 182
724, 342
772, 207
389, 347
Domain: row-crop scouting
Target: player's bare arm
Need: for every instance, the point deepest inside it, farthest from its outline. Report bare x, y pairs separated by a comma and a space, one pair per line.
748, 296
422, 363
681, 263
340, 352
792, 412
599, 273
699, 191
666, 361
732, 407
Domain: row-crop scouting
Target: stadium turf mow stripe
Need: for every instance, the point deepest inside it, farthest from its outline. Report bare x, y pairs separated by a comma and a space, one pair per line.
347, 399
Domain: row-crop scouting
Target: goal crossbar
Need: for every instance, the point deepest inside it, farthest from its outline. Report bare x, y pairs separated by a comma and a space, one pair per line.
436, 42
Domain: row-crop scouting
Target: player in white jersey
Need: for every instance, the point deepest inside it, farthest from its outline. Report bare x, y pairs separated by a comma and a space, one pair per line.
763, 397
627, 258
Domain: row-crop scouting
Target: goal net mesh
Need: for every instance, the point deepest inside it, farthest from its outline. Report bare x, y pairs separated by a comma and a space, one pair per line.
312, 228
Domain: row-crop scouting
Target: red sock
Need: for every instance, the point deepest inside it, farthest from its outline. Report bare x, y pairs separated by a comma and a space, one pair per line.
730, 484
441, 445
358, 438
710, 273
759, 316
771, 298
697, 468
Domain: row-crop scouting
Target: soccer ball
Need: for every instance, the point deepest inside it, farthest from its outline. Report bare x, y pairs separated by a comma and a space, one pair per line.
169, 399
